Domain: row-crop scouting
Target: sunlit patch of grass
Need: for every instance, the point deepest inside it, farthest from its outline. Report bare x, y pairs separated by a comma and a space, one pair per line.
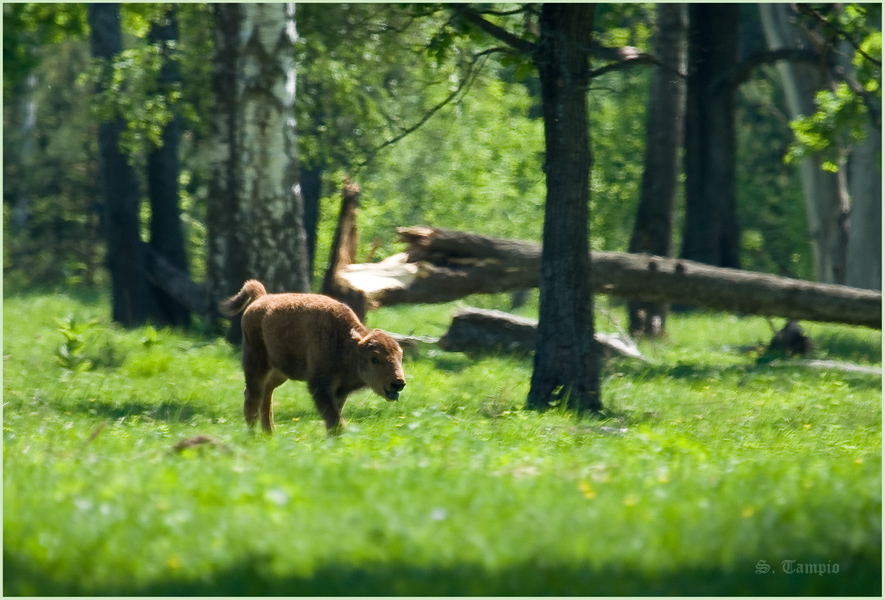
703, 464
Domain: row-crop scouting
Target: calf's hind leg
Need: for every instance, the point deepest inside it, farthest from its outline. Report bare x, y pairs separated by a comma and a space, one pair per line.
273, 380
257, 371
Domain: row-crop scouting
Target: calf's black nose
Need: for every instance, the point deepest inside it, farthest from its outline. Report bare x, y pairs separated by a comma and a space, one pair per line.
397, 386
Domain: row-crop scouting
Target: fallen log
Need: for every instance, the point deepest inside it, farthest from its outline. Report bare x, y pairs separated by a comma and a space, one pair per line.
177, 283
477, 330
480, 330
442, 265
474, 329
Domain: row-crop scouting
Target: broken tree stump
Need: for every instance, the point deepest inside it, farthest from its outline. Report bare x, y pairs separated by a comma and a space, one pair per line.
442, 265
790, 341
343, 253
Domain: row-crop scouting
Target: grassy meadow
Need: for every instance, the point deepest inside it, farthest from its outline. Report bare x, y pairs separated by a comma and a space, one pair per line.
709, 473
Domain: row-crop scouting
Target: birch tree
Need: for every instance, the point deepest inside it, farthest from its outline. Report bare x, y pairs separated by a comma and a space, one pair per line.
826, 195
256, 217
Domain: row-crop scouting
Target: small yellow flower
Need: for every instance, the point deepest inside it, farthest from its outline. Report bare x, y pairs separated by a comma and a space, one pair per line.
807, 426
630, 500
748, 512
587, 490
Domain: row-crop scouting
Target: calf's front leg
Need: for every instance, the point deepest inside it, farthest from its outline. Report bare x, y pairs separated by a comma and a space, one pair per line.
328, 405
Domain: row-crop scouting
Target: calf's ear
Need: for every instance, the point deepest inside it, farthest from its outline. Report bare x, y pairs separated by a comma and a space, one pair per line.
362, 340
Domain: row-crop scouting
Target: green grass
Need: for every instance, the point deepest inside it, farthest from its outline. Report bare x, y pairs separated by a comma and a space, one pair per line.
704, 467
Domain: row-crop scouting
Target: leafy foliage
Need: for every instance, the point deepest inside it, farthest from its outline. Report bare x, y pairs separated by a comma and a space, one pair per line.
51, 214
837, 123
771, 206
27, 29
364, 78
71, 353
854, 31
368, 75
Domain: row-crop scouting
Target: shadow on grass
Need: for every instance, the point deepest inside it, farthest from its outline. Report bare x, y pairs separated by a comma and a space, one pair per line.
253, 577
847, 347
173, 411
452, 362
688, 371
743, 374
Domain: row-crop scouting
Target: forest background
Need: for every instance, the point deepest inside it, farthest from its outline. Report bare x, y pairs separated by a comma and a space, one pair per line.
369, 75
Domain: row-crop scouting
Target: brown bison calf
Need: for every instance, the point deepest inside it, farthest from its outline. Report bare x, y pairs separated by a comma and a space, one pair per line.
312, 338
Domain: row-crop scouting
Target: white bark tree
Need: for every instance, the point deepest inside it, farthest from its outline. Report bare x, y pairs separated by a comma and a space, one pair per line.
865, 233
826, 193
256, 213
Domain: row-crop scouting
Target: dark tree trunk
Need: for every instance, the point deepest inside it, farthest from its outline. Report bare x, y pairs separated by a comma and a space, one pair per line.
132, 298
711, 234
653, 230
566, 364
311, 190
163, 168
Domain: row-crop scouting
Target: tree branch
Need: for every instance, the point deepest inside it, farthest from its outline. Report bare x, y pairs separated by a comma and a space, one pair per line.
741, 72
506, 13
869, 99
627, 63
176, 283
496, 31
807, 10
464, 84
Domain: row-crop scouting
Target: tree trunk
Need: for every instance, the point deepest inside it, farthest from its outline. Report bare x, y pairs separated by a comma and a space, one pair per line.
132, 298
711, 233
311, 191
256, 215
226, 268
343, 253
653, 230
490, 265
566, 364
864, 263
271, 214
163, 168
826, 199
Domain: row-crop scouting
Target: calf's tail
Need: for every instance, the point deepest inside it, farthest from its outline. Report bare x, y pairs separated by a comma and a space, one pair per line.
250, 292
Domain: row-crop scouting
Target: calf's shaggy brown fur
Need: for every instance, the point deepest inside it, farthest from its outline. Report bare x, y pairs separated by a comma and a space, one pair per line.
312, 338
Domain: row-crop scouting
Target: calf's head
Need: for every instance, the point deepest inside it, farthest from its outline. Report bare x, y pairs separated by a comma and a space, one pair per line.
380, 363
